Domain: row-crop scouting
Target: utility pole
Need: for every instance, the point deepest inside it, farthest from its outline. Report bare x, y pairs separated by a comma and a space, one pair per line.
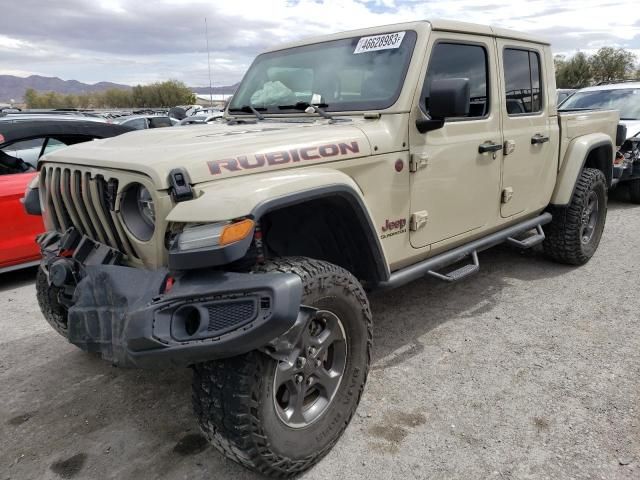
206, 32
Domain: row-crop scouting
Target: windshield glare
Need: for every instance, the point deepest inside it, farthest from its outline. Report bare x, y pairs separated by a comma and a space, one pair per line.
626, 100
334, 75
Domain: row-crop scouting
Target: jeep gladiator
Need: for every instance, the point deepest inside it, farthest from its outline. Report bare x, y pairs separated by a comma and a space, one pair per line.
345, 164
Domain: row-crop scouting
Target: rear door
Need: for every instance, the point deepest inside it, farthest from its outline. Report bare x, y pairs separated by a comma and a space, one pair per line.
529, 129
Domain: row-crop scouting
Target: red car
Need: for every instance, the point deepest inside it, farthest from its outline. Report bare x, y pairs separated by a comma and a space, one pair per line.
22, 143
17, 246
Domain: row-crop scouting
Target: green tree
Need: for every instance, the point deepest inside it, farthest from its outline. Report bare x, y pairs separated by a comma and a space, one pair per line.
610, 64
559, 61
31, 98
573, 73
161, 94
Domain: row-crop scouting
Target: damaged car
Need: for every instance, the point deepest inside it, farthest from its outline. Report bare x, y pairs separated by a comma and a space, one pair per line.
625, 97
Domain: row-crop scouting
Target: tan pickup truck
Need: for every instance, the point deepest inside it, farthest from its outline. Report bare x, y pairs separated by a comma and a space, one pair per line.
344, 164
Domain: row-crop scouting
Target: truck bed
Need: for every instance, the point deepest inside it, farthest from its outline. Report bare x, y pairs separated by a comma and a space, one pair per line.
584, 122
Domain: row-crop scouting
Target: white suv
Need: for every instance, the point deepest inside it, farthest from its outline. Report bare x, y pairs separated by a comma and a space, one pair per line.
624, 96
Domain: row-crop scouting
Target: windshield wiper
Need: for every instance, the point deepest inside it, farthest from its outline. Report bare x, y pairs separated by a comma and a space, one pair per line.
308, 108
250, 109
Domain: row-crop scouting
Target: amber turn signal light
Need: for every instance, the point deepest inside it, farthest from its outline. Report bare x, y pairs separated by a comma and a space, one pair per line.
236, 231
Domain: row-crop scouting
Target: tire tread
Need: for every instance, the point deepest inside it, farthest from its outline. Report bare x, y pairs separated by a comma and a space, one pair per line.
224, 398
562, 242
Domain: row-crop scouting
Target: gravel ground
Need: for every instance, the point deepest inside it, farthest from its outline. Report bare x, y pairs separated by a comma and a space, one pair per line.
528, 370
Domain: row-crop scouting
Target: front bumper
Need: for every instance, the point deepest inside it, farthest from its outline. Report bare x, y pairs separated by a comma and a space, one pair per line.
122, 312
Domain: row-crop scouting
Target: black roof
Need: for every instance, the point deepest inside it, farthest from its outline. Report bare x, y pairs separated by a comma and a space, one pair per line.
27, 129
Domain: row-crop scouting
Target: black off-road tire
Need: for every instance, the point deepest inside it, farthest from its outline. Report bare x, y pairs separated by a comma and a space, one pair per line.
634, 191
564, 242
233, 399
53, 311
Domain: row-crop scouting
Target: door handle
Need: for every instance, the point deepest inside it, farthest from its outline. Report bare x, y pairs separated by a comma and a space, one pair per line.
539, 139
489, 147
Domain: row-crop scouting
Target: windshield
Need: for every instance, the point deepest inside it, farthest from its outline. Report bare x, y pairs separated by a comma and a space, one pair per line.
626, 100
359, 73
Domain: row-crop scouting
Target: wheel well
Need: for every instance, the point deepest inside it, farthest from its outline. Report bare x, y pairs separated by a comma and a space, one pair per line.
600, 158
328, 228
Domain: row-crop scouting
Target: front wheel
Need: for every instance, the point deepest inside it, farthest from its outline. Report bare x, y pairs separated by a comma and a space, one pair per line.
575, 231
53, 311
281, 417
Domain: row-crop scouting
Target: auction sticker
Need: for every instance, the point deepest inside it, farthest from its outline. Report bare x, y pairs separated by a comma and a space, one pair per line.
379, 42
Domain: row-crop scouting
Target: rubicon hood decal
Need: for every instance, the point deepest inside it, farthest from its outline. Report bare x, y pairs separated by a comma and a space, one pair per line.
212, 152
281, 157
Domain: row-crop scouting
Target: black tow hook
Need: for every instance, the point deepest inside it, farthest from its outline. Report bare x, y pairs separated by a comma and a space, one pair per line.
61, 273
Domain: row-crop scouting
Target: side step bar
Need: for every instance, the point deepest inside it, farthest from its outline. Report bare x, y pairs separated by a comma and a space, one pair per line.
460, 273
528, 242
428, 266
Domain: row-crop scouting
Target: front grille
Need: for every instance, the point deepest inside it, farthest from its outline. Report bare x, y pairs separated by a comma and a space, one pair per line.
75, 199
230, 315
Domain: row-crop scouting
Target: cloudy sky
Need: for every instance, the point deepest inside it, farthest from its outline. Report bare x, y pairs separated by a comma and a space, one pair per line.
136, 41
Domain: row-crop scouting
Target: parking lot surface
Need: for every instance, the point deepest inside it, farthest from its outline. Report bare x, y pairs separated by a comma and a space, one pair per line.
528, 370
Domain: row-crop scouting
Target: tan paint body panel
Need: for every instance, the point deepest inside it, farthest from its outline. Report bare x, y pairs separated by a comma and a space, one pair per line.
156, 152
577, 124
530, 170
459, 210
469, 181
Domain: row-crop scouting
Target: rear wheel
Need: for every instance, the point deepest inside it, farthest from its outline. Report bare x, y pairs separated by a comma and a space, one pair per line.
54, 312
574, 234
634, 190
281, 417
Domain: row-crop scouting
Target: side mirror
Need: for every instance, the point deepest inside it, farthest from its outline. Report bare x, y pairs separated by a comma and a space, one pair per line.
449, 98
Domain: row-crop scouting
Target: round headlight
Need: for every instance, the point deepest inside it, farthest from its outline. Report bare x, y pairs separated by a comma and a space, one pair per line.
145, 205
138, 211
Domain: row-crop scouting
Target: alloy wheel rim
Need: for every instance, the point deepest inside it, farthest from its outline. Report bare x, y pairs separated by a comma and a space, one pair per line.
305, 386
589, 219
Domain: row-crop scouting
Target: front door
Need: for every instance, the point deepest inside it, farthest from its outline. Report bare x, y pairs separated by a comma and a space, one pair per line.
455, 189
530, 132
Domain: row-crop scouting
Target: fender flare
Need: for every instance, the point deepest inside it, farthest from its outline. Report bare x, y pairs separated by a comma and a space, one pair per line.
357, 205
575, 159
256, 195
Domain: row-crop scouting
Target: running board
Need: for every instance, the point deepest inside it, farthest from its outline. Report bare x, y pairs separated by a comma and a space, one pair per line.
460, 273
530, 241
419, 270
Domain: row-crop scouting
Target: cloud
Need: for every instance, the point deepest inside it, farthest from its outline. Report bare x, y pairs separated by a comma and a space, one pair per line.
131, 41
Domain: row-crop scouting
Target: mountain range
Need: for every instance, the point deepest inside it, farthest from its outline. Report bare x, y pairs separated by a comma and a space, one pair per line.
13, 88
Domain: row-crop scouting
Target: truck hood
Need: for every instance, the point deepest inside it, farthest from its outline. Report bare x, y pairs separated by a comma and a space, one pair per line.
633, 127
210, 152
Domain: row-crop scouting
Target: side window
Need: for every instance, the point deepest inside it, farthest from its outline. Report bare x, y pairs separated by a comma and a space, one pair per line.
137, 123
52, 145
158, 122
523, 81
457, 60
20, 156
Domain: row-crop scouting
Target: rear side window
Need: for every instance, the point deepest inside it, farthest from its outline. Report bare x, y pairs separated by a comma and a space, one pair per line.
157, 122
457, 60
523, 81
137, 123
